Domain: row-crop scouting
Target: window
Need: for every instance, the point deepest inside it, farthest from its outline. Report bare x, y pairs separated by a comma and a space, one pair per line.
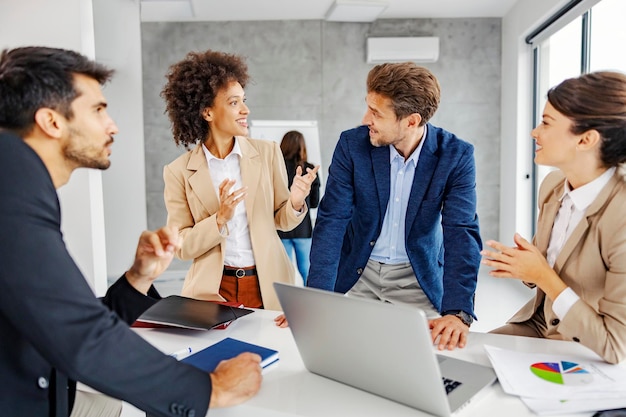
608, 35
559, 58
583, 39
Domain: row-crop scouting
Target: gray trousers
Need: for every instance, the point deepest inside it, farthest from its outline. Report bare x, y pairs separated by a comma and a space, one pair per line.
395, 284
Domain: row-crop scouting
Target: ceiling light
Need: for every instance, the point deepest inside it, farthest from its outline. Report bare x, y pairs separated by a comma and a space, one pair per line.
355, 10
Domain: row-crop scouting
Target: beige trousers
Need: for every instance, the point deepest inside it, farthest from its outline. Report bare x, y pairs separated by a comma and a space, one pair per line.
93, 404
392, 284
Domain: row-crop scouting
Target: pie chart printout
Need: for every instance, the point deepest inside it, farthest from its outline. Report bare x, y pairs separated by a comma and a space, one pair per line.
563, 373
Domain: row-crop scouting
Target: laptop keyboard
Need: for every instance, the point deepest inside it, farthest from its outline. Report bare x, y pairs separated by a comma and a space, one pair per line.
450, 384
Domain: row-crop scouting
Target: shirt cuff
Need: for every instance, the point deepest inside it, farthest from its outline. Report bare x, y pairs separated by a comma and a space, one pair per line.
564, 301
223, 231
300, 212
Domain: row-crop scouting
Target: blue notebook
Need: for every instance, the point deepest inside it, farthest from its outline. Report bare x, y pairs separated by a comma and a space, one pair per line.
208, 358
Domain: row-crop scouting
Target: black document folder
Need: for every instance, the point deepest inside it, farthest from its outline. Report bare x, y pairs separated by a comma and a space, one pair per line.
189, 313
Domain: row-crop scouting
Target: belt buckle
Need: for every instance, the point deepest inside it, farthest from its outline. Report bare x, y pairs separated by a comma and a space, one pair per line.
240, 273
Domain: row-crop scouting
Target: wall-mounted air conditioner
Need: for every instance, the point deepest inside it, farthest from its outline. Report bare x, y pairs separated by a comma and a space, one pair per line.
402, 49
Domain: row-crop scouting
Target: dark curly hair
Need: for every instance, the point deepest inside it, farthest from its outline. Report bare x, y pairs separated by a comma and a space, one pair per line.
596, 101
192, 85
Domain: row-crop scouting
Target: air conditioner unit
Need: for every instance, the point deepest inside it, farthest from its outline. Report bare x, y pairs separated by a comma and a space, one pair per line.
402, 49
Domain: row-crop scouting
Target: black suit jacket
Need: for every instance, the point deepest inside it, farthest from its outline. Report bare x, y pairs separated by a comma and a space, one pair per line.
127, 302
50, 321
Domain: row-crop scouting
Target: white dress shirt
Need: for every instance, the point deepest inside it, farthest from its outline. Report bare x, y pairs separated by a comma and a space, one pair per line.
238, 244
573, 206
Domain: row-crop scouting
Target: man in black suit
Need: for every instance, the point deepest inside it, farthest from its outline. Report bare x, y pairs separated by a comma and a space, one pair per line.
53, 119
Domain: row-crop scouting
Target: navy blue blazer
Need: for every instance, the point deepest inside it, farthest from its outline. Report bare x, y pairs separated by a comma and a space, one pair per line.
441, 236
50, 322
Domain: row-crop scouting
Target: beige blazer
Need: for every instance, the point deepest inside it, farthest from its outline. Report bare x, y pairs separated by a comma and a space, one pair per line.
192, 204
592, 263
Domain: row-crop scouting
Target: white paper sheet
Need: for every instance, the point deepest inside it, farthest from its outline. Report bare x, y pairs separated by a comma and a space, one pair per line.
551, 407
556, 377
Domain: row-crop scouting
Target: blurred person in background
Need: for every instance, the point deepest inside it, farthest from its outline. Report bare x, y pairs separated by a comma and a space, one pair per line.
298, 240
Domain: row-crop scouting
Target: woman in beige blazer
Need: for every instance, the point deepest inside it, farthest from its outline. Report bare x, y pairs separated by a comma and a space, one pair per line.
578, 257
229, 194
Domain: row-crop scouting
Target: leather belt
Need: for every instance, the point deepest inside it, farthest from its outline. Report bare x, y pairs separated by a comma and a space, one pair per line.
239, 272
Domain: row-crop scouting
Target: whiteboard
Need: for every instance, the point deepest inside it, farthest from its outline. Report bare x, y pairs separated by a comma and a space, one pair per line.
276, 129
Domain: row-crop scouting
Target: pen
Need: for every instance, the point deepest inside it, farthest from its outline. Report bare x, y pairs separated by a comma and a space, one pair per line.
179, 354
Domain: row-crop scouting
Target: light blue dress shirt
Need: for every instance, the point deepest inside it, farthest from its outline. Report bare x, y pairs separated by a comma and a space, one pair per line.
390, 246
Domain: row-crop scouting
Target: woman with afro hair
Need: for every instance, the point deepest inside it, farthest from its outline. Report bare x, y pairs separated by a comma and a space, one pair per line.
228, 194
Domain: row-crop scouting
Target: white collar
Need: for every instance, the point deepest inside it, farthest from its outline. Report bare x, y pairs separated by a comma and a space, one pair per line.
583, 196
235, 151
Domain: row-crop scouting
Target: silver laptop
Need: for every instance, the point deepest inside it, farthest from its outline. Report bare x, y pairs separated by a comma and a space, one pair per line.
381, 348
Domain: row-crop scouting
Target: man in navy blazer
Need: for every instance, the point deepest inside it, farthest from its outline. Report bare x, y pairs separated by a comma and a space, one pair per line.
53, 119
398, 218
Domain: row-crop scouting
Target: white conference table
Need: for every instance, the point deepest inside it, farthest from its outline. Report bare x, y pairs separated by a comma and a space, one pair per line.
288, 389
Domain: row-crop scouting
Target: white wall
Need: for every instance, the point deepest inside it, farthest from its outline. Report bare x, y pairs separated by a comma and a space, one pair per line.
516, 149
118, 45
66, 24
92, 199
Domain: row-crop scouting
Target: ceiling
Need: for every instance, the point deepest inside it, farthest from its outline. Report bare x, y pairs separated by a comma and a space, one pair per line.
229, 10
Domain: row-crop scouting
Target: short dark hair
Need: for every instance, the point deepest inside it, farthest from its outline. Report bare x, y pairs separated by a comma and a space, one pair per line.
34, 77
411, 88
192, 85
596, 101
